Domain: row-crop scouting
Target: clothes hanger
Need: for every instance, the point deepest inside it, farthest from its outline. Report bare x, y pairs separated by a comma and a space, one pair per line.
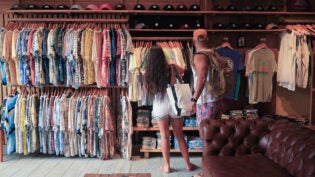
262, 44
226, 43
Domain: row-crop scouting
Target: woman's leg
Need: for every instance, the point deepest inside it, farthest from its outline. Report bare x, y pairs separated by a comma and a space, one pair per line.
165, 135
178, 132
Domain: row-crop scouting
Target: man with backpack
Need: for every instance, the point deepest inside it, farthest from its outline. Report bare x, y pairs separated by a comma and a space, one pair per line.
205, 104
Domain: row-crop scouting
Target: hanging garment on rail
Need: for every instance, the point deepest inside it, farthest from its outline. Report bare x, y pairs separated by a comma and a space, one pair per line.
8, 120
237, 61
65, 56
294, 60
261, 66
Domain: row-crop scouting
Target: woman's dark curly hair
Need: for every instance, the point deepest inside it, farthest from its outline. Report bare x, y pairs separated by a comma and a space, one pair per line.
157, 72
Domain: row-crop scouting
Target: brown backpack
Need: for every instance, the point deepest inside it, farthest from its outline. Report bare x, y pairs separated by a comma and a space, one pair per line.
221, 74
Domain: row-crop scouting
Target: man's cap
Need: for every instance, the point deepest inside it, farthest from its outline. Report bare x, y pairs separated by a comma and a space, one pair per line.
76, 7
106, 6
154, 7
91, 7
200, 35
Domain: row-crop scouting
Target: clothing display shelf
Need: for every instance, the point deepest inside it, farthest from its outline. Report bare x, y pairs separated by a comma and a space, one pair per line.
148, 151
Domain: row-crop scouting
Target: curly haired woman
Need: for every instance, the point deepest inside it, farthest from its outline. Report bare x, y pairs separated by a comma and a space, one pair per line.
158, 75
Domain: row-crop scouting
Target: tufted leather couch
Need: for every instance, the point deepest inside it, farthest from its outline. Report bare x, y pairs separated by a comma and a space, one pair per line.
257, 148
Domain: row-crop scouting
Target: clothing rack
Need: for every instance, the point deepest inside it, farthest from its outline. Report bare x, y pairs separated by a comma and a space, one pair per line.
162, 38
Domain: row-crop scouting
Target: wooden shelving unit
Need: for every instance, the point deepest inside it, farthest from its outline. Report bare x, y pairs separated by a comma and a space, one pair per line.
157, 129
148, 151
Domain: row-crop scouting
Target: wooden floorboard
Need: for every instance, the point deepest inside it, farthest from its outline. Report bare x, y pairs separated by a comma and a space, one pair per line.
53, 166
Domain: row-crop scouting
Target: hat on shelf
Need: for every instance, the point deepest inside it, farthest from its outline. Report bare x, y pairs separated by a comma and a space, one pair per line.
139, 7
76, 7
194, 7
141, 26
246, 26
16, 7
106, 6
91, 7
271, 26
219, 26
181, 7
218, 8
272, 8
120, 6
156, 25
184, 26
231, 8
231, 26
32, 6
62, 6
168, 7
247, 8
259, 8
259, 26
154, 7
171, 26
47, 6
200, 35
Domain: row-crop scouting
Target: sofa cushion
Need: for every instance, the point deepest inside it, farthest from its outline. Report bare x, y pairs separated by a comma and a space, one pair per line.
233, 137
292, 147
253, 165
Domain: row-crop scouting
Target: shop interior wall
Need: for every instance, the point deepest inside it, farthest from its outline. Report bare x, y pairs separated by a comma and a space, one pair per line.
285, 102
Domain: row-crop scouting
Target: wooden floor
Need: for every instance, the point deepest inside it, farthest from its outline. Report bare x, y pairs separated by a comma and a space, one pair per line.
52, 166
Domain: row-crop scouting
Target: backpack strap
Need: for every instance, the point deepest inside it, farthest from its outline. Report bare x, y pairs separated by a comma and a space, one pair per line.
210, 54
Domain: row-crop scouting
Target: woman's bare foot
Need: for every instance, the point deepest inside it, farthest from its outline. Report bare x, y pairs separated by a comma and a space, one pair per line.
165, 168
191, 167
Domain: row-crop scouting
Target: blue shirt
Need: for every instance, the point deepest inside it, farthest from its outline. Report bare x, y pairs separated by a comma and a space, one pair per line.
236, 58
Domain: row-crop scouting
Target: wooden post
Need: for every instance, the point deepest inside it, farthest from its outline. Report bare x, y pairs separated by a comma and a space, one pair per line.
1, 146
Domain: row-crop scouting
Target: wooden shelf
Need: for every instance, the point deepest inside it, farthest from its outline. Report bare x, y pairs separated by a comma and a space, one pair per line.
312, 127
63, 86
245, 30
162, 38
147, 151
161, 30
157, 12
157, 129
62, 20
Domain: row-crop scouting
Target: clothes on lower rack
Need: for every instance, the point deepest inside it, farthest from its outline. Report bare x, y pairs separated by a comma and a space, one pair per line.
73, 56
59, 123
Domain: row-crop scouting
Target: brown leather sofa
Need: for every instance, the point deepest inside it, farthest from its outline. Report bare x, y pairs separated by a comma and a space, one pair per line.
257, 148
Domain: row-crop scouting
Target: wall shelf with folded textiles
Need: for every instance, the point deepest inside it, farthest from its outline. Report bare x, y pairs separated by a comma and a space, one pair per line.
157, 129
147, 151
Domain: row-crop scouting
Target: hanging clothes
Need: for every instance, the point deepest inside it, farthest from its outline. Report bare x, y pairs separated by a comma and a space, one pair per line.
294, 59
238, 65
261, 66
65, 56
